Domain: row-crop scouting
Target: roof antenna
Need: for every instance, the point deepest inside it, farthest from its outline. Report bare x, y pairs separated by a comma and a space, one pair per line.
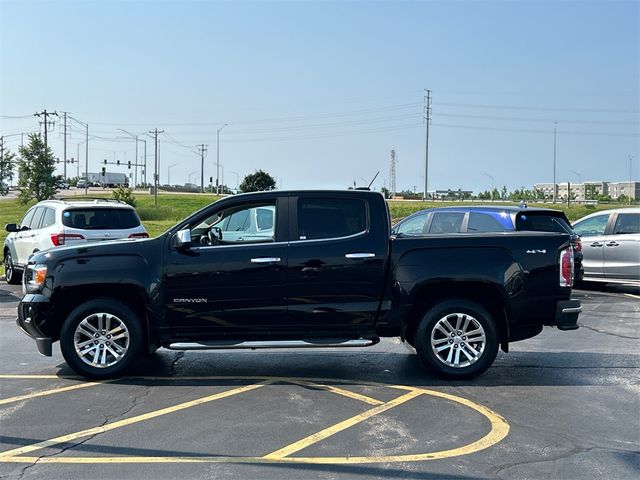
374, 179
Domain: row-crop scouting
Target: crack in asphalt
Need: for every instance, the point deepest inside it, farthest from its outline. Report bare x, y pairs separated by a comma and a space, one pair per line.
608, 333
565, 438
107, 419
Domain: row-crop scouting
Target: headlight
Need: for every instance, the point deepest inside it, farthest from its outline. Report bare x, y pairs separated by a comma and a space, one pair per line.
35, 276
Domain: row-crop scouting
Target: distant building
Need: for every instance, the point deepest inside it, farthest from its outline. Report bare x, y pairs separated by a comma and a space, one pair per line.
452, 194
590, 190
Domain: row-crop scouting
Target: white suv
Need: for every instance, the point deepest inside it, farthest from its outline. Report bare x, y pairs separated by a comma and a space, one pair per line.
53, 223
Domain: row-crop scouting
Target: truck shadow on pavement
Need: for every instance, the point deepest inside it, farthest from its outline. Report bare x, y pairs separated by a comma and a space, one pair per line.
513, 369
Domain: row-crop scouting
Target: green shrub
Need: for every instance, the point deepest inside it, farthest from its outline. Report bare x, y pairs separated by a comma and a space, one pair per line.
124, 194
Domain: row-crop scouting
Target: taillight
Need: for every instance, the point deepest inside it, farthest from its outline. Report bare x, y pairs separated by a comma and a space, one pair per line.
59, 239
139, 235
577, 245
566, 267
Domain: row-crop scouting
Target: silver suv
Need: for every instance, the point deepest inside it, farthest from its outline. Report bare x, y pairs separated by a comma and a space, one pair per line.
611, 245
53, 223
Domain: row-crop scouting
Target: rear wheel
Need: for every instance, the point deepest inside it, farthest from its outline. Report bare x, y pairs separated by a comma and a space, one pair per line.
101, 338
12, 275
457, 339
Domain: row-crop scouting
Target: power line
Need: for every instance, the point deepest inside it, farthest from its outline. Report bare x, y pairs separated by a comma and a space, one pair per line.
542, 109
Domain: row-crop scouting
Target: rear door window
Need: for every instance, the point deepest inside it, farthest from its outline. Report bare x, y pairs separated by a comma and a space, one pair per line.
482, 222
37, 218
627, 223
100, 218
49, 218
330, 218
413, 225
446, 222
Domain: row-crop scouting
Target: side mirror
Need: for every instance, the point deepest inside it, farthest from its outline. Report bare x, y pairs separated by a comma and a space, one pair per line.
11, 227
182, 240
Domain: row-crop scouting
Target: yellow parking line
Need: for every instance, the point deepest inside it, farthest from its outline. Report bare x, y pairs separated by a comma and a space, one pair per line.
631, 295
48, 392
30, 377
327, 432
337, 390
128, 421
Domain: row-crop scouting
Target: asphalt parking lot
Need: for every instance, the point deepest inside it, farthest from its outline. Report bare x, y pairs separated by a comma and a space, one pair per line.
563, 405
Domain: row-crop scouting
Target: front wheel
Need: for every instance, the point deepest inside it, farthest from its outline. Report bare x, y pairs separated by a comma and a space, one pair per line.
101, 338
12, 275
457, 339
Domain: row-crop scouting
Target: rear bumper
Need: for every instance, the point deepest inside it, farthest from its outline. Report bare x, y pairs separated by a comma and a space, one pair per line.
567, 312
30, 316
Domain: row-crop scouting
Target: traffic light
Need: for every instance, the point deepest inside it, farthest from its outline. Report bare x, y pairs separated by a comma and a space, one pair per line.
129, 166
118, 162
105, 162
104, 170
57, 160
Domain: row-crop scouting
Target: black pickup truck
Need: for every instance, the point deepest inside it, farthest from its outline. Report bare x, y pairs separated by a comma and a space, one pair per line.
298, 269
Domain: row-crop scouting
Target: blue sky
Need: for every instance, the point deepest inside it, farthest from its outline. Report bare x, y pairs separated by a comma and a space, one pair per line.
318, 93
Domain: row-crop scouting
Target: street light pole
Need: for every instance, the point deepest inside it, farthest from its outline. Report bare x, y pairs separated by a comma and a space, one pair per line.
218, 159
555, 127
237, 178
169, 173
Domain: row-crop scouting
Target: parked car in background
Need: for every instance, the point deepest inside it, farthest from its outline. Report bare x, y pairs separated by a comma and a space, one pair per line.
53, 223
485, 219
611, 240
62, 185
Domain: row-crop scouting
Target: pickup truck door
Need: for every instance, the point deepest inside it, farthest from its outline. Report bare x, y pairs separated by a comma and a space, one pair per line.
337, 257
236, 284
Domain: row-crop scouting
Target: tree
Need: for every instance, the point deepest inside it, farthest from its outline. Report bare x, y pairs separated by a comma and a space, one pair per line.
124, 194
257, 182
7, 162
36, 166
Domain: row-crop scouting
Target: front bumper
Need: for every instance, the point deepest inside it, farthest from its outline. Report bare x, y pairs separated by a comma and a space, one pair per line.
567, 312
31, 319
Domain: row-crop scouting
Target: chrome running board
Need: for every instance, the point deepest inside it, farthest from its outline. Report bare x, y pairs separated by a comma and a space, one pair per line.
310, 343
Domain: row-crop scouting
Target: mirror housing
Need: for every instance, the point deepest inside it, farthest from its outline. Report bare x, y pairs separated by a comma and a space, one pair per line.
182, 239
11, 227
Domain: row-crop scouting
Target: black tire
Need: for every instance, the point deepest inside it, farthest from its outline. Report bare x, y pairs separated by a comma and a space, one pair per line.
12, 275
119, 339
474, 353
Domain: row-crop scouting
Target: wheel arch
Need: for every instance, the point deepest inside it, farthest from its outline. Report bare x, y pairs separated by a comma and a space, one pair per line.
131, 295
487, 296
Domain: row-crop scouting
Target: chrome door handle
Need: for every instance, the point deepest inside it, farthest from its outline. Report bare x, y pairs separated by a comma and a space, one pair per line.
596, 244
612, 244
265, 260
360, 255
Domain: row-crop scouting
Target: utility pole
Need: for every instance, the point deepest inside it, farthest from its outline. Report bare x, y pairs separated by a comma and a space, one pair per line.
46, 123
218, 159
202, 150
555, 128
145, 162
392, 173
65, 145
427, 121
630, 157
155, 133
